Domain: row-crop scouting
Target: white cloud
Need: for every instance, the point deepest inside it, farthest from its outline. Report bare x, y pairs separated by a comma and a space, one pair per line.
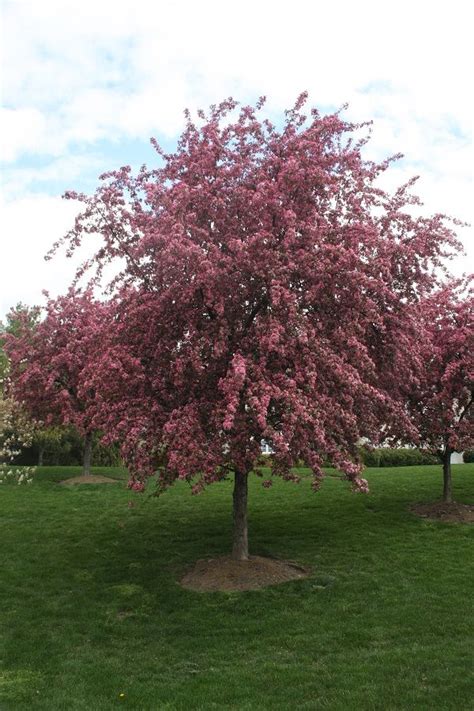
80, 71
126, 67
23, 130
30, 226
62, 170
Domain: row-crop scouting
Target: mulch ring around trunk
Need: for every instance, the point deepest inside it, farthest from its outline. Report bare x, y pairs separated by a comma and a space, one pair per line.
225, 574
443, 511
89, 479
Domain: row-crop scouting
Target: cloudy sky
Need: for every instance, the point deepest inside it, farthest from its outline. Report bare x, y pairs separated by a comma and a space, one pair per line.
86, 83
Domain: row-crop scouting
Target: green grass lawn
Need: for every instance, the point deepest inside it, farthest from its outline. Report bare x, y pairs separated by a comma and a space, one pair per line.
92, 616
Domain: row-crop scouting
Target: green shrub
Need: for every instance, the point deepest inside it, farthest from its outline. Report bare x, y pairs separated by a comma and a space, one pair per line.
401, 457
468, 456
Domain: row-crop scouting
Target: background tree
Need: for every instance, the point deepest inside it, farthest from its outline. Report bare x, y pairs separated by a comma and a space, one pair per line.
39, 437
46, 439
49, 361
3, 358
442, 403
64, 446
262, 291
17, 316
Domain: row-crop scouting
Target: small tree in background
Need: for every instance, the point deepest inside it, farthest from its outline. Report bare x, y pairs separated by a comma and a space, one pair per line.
262, 292
49, 361
46, 439
442, 403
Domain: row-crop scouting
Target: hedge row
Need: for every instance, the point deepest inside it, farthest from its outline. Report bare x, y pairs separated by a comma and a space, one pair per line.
69, 452
403, 457
382, 457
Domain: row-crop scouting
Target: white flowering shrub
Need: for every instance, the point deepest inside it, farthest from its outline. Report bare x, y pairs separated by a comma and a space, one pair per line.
16, 431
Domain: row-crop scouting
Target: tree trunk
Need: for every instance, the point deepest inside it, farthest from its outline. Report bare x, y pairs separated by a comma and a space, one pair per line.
86, 462
240, 548
40, 456
447, 488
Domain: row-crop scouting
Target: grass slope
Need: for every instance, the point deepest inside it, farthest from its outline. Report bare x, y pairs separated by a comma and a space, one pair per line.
92, 616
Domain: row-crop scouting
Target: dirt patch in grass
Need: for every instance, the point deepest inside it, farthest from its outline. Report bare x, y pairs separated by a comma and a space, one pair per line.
226, 574
89, 479
443, 511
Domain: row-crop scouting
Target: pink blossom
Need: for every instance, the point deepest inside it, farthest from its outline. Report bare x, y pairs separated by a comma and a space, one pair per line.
266, 288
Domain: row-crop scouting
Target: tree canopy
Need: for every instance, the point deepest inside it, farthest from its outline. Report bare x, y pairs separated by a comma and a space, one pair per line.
50, 361
263, 290
441, 400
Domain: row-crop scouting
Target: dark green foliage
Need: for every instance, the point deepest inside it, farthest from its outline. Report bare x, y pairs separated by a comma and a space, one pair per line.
403, 457
90, 607
382, 457
67, 450
468, 456
103, 456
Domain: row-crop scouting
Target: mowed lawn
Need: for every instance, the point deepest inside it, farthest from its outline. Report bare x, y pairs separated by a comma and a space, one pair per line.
92, 615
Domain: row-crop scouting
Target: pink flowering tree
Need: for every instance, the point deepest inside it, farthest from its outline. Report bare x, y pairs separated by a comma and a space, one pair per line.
441, 404
50, 360
261, 291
